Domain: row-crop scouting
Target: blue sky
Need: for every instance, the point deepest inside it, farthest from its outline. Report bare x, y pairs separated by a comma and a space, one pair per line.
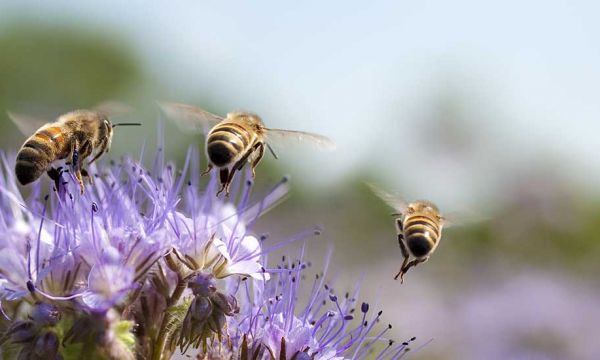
527, 75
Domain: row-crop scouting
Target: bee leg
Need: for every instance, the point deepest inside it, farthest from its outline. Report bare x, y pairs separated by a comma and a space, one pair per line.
208, 169
261, 152
90, 178
79, 180
75, 163
223, 176
242, 161
103, 149
405, 254
236, 167
412, 264
400, 230
54, 174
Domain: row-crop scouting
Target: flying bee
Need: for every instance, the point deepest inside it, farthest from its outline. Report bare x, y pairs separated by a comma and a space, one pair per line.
236, 139
419, 226
73, 136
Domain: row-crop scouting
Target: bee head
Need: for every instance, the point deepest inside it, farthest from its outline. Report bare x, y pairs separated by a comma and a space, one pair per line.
255, 121
424, 206
250, 119
105, 131
107, 126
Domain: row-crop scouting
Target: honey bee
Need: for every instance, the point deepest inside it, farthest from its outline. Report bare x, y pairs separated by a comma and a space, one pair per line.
233, 141
419, 226
73, 136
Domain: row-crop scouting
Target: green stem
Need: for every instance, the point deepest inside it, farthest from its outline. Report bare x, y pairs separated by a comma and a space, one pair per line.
163, 334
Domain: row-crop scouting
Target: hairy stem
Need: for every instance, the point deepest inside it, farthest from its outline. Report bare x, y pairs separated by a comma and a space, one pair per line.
164, 333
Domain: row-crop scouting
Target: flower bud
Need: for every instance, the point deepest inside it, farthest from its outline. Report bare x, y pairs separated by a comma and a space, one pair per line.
45, 315
227, 304
46, 346
203, 285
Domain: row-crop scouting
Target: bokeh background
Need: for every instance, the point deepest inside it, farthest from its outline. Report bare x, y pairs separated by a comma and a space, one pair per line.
488, 109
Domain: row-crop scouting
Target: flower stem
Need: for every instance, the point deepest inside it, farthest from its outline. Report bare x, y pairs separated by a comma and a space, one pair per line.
165, 333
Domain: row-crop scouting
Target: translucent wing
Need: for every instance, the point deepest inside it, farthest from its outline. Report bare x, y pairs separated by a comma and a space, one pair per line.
393, 200
113, 108
188, 117
26, 124
280, 136
463, 218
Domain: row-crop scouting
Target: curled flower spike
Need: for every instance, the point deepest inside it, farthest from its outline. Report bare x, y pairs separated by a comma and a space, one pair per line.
207, 313
36, 336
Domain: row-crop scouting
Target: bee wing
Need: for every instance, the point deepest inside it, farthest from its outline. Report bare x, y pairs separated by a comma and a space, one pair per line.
393, 200
188, 117
26, 124
113, 108
286, 136
463, 218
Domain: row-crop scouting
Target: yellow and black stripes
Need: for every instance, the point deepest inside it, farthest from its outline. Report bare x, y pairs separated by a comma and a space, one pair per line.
37, 153
421, 233
227, 142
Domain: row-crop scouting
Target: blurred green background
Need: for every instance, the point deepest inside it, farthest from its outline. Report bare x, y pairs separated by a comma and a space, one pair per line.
489, 112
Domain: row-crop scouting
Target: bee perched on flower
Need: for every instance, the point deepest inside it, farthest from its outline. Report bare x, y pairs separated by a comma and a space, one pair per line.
146, 264
104, 261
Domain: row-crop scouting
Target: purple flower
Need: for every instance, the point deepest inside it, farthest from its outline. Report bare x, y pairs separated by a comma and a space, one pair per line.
227, 248
148, 261
106, 252
276, 324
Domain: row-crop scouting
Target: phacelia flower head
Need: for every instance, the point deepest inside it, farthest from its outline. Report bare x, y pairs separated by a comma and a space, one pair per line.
148, 262
101, 258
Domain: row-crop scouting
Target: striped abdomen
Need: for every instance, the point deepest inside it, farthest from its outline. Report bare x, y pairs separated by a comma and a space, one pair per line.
226, 143
421, 233
38, 152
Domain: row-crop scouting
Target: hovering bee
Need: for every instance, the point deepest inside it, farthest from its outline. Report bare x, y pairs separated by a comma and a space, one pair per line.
236, 139
73, 136
419, 225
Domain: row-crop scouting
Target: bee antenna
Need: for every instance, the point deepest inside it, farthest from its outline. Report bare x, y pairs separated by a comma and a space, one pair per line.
127, 124
395, 214
272, 151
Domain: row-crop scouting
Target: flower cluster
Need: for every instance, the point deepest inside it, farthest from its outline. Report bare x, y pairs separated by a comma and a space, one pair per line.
324, 326
148, 262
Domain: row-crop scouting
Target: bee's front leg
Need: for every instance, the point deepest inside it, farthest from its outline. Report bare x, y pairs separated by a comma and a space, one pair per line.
261, 151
